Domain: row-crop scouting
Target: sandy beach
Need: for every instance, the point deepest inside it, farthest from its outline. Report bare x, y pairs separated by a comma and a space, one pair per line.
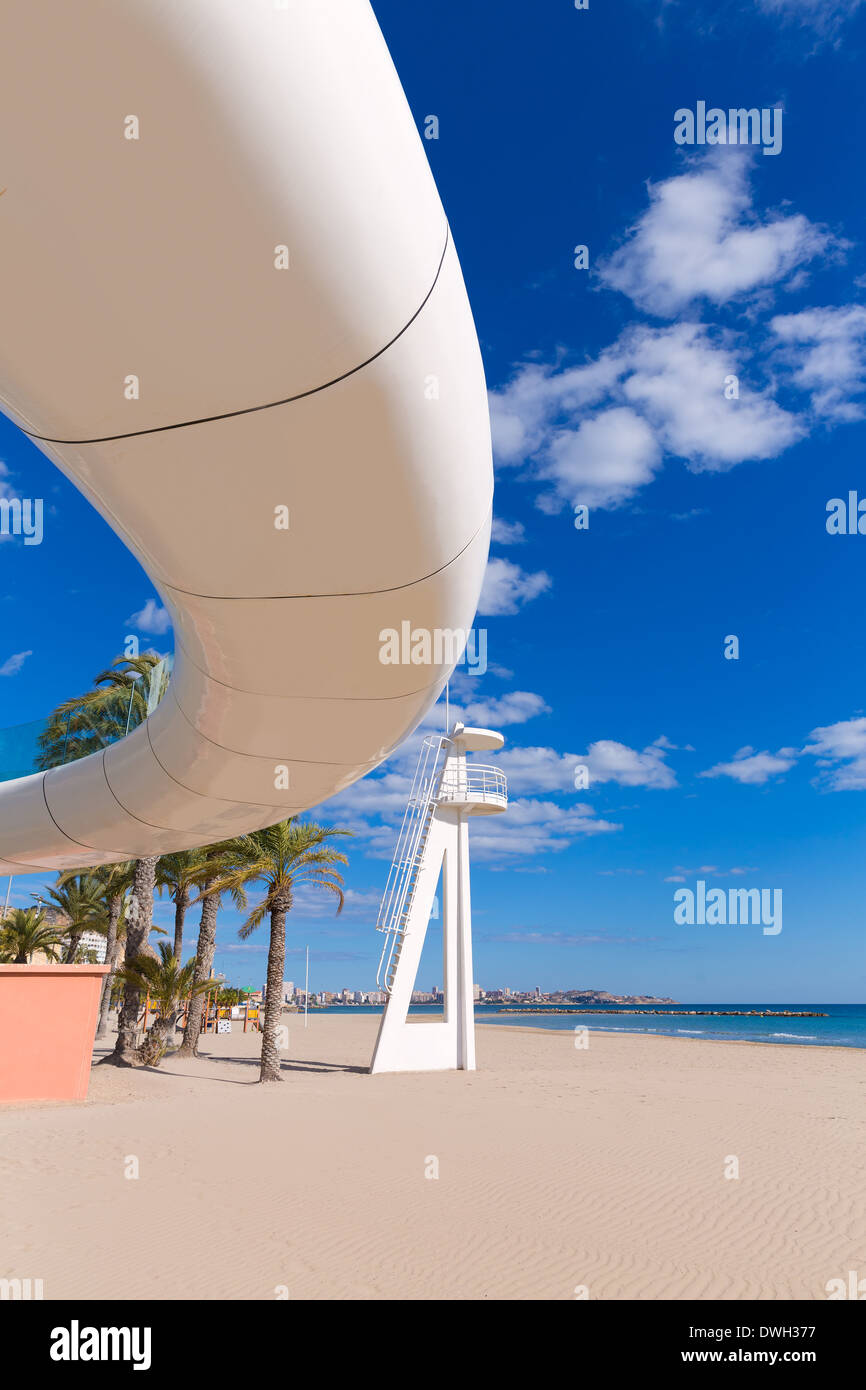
558, 1169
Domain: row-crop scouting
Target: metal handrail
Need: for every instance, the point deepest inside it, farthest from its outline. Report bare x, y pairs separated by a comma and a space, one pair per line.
400, 887
436, 781
477, 782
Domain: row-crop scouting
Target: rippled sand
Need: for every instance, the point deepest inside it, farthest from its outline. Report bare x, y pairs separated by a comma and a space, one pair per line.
558, 1169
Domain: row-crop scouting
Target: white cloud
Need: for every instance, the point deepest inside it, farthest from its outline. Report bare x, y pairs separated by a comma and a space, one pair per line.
843, 744
371, 796
701, 239
545, 770
311, 902
597, 436
535, 937
151, 618
521, 414
12, 665
507, 532
598, 432
827, 351
609, 761
682, 872
839, 749
823, 15
373, 807
536, 769
507, 588
603, 460
536, 827
676, 378
516, 707
530, 826
754, 769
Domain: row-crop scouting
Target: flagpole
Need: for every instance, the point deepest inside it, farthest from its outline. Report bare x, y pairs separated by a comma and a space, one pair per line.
307, 990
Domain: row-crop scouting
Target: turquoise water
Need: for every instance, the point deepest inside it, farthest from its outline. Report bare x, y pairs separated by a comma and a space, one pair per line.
844, 1026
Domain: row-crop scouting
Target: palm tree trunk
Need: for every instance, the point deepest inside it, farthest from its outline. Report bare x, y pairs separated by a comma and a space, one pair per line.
114, 905
139, 922
156, 1041
179, 915
270, 1068
204, 955
74, 940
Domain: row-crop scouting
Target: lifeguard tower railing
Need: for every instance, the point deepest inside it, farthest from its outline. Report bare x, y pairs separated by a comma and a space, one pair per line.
403, 874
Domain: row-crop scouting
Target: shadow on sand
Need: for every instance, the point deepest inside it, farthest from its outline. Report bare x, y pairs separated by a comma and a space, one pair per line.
103, 1049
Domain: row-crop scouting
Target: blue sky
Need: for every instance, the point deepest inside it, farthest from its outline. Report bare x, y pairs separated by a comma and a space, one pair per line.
707, 515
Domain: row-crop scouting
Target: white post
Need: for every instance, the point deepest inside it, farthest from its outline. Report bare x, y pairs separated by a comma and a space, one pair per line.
8, 891
465, 989
307, 990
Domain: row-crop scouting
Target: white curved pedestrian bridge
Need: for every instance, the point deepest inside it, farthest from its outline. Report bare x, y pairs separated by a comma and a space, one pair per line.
230, 301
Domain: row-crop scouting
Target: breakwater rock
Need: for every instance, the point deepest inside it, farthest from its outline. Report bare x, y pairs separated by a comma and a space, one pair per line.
678, 1013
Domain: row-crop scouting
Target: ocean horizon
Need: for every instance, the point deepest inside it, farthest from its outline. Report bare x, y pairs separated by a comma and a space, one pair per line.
844, 1026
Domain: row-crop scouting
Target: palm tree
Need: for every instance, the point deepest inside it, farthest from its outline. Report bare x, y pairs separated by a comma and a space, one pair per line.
86, 723
283, 857
168, 983
83, 725
26, 933
78, 895
180, 873
115, 880
139, 917
217, 862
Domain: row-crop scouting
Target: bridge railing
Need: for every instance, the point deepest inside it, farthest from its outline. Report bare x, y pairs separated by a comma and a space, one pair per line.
27, 748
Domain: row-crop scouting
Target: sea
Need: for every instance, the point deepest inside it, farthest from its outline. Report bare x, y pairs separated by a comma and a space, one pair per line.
844, 1025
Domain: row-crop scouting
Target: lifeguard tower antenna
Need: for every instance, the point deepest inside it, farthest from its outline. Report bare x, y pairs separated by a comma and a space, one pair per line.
446, 791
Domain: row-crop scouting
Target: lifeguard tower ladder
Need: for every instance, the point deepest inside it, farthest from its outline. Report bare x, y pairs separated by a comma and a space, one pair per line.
446, 791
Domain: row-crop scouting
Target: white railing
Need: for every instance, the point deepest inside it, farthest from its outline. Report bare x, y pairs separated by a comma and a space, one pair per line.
403, 874
474, 782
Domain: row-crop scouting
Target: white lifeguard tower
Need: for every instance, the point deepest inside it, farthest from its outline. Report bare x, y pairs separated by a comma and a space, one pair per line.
446, 791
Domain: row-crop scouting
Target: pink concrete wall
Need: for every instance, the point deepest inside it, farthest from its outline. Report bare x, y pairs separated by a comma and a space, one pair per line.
48, 1017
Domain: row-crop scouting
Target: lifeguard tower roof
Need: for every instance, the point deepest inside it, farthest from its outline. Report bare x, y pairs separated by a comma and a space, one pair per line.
476, 740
